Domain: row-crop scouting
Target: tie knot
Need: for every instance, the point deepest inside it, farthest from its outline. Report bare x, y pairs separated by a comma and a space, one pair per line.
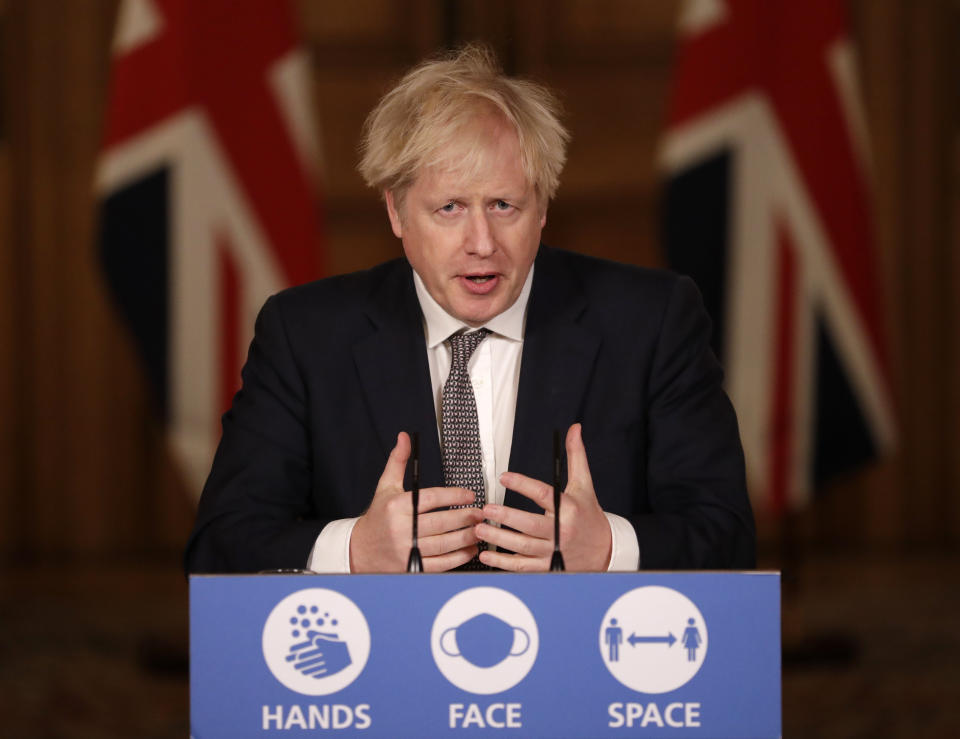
463, 345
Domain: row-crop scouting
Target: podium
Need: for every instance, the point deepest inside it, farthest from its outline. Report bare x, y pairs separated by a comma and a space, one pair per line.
649, 654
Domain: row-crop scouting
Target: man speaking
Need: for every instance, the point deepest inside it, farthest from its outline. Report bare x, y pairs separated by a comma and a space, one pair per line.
483, 341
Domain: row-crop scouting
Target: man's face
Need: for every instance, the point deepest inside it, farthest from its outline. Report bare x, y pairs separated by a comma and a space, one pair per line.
473, 238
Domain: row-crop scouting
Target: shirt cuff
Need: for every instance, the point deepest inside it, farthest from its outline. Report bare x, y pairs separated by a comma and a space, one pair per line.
624, 547
331, 551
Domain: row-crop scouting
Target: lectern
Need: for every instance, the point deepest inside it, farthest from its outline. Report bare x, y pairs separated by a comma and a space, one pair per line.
651, 654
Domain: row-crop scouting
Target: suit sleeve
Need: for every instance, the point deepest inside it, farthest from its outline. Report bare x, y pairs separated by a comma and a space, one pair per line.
255, 512
700, 511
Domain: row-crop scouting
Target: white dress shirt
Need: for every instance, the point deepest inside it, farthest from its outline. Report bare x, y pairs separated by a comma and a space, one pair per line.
494, 370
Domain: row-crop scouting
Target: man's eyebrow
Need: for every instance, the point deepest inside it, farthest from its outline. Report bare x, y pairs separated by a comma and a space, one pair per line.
515, 197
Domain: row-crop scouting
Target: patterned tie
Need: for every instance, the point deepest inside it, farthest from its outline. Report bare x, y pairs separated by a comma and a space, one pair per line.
462, 457
460, 431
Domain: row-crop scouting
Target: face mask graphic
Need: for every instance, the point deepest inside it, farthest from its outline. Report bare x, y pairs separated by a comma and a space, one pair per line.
484, 640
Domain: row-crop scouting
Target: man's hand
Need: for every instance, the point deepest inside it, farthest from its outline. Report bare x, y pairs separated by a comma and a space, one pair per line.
585, 538
380, 541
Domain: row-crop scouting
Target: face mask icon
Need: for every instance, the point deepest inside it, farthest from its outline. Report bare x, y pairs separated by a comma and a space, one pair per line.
484, 640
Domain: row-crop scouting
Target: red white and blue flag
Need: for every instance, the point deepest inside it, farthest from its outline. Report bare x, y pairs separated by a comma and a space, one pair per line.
208, 197
767, 208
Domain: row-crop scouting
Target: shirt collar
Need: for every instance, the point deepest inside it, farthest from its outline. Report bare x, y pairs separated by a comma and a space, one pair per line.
440, 325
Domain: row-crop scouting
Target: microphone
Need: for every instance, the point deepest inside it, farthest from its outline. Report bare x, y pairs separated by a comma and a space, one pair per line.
556, 562
415, 562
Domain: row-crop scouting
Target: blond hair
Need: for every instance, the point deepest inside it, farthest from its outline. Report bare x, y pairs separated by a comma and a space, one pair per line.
431, 116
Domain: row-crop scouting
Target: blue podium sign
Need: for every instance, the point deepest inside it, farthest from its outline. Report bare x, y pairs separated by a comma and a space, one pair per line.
556, 655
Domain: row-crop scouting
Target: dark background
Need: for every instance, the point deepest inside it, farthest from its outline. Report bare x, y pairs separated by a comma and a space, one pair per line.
93, 516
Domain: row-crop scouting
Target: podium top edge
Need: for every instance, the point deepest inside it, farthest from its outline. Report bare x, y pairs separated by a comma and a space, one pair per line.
681, 573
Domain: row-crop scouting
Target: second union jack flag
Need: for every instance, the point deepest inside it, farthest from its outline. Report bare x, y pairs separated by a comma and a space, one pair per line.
766, 206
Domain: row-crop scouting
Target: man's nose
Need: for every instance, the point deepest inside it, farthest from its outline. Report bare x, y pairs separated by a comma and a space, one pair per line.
480, 238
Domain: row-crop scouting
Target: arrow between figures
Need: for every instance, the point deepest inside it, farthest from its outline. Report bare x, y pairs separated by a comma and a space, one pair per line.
669, 639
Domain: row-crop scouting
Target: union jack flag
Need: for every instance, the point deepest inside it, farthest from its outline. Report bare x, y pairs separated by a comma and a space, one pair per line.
207, 194
767, 208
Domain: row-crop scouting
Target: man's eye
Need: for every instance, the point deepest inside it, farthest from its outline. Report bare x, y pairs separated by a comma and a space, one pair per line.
449, 207
502, 205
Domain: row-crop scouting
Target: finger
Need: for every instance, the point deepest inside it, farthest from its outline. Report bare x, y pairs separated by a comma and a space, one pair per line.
578, 468
431, 498
514, 562
396, 463
539, 492
523, 544
449, 561
450, 541
440, 522
533, 524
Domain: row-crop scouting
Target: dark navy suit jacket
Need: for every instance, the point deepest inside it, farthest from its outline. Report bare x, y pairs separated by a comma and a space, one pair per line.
338, 367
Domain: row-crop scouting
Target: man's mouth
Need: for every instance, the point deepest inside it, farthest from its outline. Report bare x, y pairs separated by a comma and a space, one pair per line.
482, 284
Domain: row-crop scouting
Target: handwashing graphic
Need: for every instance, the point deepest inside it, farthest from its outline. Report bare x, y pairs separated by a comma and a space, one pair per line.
319, 653
316, 641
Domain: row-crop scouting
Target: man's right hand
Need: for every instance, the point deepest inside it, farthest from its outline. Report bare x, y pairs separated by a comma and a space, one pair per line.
380, 541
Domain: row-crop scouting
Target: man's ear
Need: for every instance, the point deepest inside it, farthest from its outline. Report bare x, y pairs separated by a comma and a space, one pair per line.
395, 221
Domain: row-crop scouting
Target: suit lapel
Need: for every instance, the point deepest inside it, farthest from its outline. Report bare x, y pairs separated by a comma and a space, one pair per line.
558, 359
394, 374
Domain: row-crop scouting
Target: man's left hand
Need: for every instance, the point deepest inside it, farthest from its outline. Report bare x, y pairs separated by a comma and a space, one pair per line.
585, 538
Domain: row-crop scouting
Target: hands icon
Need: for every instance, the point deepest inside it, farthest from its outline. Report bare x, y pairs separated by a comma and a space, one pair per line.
321, 655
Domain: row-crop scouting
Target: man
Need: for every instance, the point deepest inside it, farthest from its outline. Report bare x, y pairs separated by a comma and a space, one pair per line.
484, 342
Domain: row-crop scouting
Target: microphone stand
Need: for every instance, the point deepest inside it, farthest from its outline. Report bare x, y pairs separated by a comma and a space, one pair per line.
415, 562
556, 562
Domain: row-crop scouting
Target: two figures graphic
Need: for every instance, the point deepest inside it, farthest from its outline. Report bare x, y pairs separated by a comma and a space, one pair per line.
613, 637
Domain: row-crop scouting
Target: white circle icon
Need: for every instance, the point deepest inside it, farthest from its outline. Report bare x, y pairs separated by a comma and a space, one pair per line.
316, 641
653, 639
484, 640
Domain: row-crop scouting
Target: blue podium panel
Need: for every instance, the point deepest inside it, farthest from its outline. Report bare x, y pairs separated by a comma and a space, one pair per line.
553, 655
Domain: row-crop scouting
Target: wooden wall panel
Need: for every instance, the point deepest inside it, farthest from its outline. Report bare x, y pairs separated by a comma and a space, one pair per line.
925, 269
953, 405
8, 332
612, 27
13, 455
609, 64
91, 474
879, 48
357, 24
359, 50
950, 151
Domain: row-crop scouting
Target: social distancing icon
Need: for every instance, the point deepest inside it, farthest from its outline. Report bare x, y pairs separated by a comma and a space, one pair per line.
653, 639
